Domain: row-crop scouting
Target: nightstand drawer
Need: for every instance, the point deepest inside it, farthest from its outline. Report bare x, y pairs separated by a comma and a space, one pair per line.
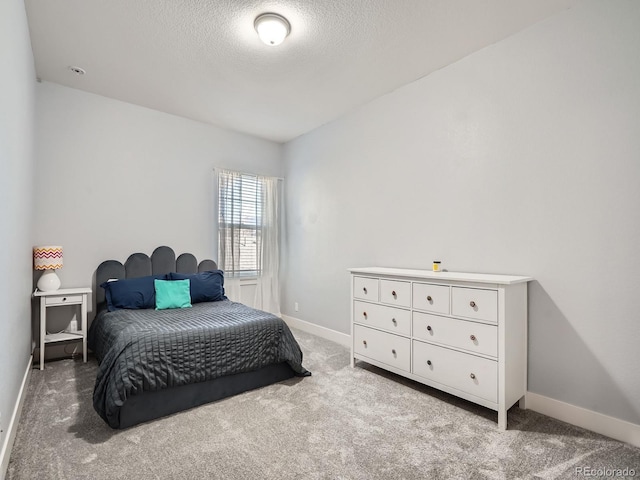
397, 293
62, 300
392, 319
472, 336
365, 288
432, 298
383, 347
475, 303
468, 373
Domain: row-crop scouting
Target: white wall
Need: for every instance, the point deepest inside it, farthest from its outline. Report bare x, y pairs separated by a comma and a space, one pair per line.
17, 99
522, 158
114, 178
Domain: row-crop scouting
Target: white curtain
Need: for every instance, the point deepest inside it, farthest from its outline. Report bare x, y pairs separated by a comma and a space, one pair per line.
268, 288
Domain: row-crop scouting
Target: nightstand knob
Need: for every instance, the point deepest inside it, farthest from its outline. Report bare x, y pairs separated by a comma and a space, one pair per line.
364, 289
64, 299
429, 362
394, 321
473, 338
394, 351
364, 342
472, 304
393, 294
429, 299
429, 328
364, 314
473, 376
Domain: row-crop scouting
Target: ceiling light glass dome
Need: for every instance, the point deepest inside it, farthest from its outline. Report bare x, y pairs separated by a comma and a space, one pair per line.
272, 28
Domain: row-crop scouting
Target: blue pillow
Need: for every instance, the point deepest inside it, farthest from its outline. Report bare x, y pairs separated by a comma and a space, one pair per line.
131, 293
205, 286
172, 294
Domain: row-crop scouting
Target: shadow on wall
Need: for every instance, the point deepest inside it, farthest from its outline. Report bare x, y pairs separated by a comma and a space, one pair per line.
563, 367
93, 304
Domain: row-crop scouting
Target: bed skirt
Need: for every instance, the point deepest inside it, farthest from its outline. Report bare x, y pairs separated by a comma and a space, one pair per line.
152, 405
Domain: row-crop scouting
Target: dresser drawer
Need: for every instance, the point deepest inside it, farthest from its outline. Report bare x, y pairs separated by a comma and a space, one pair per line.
383, 347
432, 298
475, 303
394, 292
365, 288
472, 336
391, 319
474, 375
69, 299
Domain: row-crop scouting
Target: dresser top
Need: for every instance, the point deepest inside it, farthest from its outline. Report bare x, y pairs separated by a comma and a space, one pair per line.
446, 276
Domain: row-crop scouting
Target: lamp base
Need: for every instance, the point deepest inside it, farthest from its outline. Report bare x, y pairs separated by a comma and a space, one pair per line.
49, 281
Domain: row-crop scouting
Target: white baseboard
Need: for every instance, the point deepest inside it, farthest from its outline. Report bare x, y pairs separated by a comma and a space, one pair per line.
10, 436
596, 422
323, 332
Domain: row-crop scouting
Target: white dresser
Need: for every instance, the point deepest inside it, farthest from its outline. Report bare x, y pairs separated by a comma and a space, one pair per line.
463, 333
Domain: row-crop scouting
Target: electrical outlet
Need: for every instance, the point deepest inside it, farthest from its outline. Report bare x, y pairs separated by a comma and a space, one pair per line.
295, 306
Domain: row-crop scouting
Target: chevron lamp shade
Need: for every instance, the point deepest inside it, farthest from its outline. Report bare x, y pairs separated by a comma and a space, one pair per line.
47, 258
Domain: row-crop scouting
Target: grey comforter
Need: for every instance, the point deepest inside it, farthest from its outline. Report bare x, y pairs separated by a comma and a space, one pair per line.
149, 350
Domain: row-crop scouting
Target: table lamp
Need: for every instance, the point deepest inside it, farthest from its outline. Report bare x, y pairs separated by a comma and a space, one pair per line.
48, 258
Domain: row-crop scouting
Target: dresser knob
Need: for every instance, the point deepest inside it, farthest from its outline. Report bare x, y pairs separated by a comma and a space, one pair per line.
393, 320
429, 362
429, 328
364, 314
393, 293
364, 289
473, 338
429, 299
364, 342
393, 351
473, 376
472, 304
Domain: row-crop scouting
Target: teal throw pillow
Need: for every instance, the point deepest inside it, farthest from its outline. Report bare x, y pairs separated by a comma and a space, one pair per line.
172, 294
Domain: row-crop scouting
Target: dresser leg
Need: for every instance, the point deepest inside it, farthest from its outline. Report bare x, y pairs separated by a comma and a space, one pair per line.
523, 403
502, 419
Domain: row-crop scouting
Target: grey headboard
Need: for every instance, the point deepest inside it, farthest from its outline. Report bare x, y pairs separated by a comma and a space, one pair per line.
162, 260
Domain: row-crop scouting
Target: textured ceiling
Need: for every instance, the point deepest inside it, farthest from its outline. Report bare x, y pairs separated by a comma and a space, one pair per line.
202, 59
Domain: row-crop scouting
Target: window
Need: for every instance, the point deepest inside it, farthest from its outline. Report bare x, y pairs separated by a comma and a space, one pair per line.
240, 223
249, 235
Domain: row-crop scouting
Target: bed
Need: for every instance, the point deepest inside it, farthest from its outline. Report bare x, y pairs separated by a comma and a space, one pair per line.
154, 363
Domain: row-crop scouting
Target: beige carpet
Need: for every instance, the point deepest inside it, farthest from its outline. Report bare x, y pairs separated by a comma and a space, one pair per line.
341, 423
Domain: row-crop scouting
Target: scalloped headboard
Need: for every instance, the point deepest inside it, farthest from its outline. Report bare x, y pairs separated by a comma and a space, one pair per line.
162, 260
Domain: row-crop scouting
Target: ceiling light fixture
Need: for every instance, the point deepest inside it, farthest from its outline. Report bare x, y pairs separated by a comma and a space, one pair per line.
272, 28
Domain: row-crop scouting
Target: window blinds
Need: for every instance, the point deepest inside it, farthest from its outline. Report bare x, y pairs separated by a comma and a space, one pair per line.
240, 222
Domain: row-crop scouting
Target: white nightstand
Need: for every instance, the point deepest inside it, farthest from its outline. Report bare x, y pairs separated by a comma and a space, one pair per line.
58, 298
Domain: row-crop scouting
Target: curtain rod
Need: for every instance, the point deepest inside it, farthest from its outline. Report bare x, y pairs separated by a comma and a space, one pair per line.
247, 173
